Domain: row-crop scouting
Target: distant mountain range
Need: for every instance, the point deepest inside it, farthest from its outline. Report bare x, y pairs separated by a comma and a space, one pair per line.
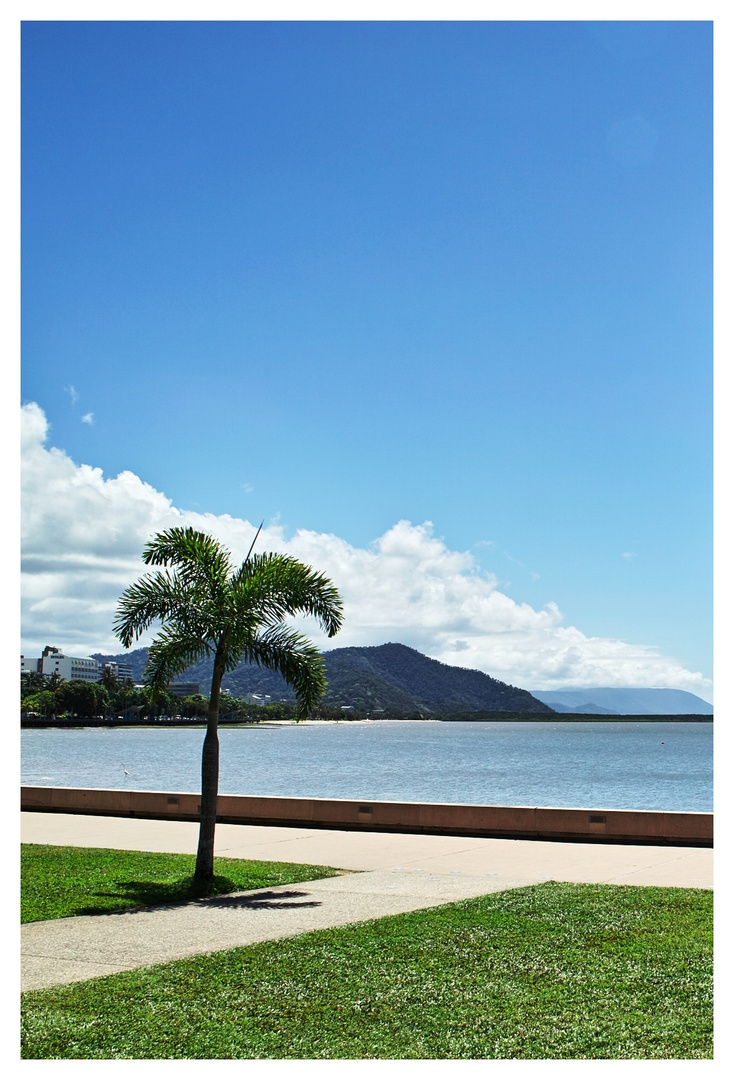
621, 701
396, 678
391, 677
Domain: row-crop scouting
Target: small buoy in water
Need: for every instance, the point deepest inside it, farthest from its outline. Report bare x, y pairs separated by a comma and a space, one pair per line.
663, 743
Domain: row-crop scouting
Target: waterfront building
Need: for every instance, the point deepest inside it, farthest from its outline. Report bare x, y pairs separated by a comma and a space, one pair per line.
71, 668
183, 689
122, 672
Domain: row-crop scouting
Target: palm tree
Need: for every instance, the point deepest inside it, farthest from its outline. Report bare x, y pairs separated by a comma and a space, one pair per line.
207, 607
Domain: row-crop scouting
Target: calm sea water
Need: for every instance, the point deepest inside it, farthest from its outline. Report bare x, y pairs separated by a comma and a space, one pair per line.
642, 766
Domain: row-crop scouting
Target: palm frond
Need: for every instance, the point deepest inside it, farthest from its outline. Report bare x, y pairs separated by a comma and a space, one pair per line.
166, 598
282, 649
278, 586
171, 654
196, 555
155, 597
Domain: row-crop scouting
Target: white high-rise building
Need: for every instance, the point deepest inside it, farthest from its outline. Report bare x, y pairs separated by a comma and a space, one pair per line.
70, 668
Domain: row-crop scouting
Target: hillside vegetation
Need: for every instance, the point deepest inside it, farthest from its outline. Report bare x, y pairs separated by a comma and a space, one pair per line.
391, 677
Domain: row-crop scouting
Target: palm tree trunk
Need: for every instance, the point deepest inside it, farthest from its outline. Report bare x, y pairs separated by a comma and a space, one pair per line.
204, 871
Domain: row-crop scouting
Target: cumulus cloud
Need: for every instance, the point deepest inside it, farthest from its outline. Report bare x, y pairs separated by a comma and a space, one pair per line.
83, 535
88, 418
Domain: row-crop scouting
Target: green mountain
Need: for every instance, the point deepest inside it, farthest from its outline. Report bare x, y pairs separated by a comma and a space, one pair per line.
377, 676
392, 677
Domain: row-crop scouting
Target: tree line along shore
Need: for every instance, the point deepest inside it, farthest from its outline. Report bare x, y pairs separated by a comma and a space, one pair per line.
284, 714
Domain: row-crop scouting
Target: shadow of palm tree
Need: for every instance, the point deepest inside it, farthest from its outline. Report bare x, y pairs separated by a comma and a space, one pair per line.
265, 899
145, 894
137, 896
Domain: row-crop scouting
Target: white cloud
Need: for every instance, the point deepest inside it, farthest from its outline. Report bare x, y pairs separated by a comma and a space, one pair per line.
70, 390
88, 418
83, 535
629, 555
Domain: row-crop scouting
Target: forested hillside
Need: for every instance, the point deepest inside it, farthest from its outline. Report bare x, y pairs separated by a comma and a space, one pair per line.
389, 677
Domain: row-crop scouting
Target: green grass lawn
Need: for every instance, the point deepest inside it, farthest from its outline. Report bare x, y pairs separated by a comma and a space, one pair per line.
61, 881
549, 971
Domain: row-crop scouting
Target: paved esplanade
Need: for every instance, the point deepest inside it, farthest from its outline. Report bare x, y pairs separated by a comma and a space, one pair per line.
399, 872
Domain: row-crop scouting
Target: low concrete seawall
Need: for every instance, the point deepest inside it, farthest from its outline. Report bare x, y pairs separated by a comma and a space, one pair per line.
452, 819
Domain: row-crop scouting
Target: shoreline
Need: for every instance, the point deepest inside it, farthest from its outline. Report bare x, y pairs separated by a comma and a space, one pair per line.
365, 720
92, 723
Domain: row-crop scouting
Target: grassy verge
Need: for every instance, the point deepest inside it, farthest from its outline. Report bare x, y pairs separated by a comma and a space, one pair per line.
550, 971
60, 881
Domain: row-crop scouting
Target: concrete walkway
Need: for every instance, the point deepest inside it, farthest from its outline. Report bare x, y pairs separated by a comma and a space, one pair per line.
399, 872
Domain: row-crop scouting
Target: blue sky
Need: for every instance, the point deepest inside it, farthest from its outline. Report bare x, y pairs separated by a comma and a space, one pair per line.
342, 275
